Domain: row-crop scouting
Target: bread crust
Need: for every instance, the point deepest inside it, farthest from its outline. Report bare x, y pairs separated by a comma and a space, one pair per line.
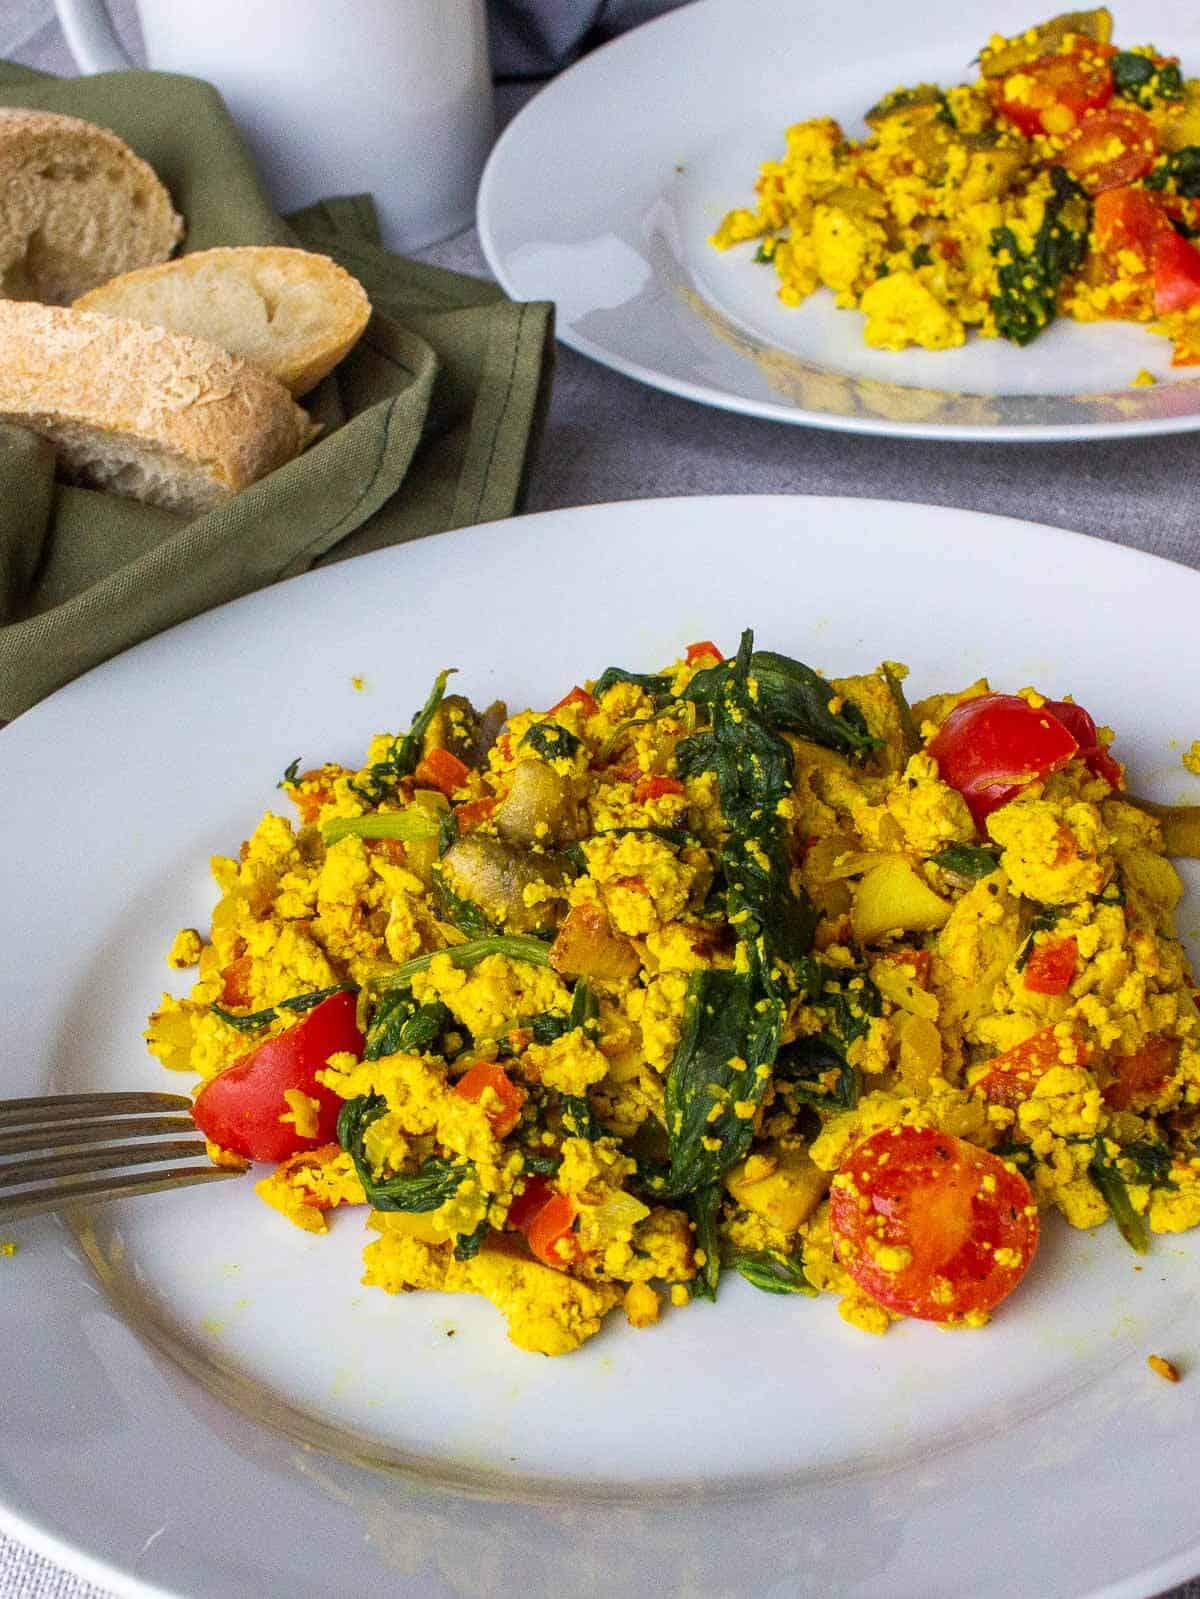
302, 311
77, 206
207, 423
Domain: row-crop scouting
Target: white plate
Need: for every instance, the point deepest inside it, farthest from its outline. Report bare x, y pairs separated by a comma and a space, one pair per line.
213, 1406
602, 193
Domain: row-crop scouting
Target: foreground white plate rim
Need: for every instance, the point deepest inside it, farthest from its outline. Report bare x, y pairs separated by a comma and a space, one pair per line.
675, 569
608, 216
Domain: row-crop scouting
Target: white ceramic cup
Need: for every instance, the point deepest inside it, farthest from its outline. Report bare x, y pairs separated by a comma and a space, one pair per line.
387, 97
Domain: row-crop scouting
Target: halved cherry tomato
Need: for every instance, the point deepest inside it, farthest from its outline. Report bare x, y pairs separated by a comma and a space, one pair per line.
1092, 753
931, 1226
441, 770
1127, 221
705, 650
549, 1233
655, 787
1012, 1076
1176, 273
992, 747
1111, 148
1055, 92
242, 1108
1142, 1076
1050, 969
577, 696
504, 1098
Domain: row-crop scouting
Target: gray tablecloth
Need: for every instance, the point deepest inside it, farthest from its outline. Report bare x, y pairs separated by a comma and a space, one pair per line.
608, 438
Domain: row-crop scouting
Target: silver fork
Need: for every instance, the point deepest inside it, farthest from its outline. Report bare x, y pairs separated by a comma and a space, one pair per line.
57, 1136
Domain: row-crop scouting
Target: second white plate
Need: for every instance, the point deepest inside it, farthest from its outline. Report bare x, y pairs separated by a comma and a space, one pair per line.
602, 193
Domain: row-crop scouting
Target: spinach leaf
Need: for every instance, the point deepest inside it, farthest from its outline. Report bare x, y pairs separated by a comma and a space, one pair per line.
428, 1188
792, 698
968, 860
551, 742
1026, 300
380, 779
1179, 172
291, 774
656, 684
468, 1245
255, 1021
819, 1074
702, 1207
773, 1272
1103, 1172
400, 1026
458, 911
1138, 78
728, 1032
547, 1026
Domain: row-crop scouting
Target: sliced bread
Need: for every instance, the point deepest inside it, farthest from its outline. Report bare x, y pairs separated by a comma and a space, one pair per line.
293, 313
143, 413
76, 208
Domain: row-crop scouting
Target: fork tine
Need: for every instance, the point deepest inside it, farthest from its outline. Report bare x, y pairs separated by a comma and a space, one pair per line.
68, 1107
20, 1206
71, 1135
17, 1172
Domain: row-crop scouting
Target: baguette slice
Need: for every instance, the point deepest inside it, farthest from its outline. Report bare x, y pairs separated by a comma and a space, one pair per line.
76, 207
150, 415
293, 313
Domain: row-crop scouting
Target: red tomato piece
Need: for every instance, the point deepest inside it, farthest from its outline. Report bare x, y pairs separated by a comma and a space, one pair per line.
1142, 1076
1128, 220
1055, 92
241, 1108
1111, 148
577, 696
504, 1098
1082, 729
441, 770
536, 1193
931, 1226
992, 747
705, 650
549, 1233
1176, 273
1051, 967
1012, 1076
655, 787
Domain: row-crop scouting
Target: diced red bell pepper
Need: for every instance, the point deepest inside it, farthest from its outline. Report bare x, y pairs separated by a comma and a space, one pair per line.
441, 770
505, 1097
1051, 967
704, 650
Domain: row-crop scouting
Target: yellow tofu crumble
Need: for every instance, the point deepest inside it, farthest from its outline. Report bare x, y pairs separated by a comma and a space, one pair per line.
691, 976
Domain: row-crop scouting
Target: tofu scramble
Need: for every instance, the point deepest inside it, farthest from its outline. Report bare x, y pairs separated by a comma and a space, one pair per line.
724, 968
1064, 180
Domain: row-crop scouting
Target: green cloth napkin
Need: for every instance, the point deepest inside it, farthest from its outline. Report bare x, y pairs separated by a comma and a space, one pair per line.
429, 424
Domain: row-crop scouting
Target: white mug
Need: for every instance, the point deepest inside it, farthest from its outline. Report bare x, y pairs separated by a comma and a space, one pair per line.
387, 97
